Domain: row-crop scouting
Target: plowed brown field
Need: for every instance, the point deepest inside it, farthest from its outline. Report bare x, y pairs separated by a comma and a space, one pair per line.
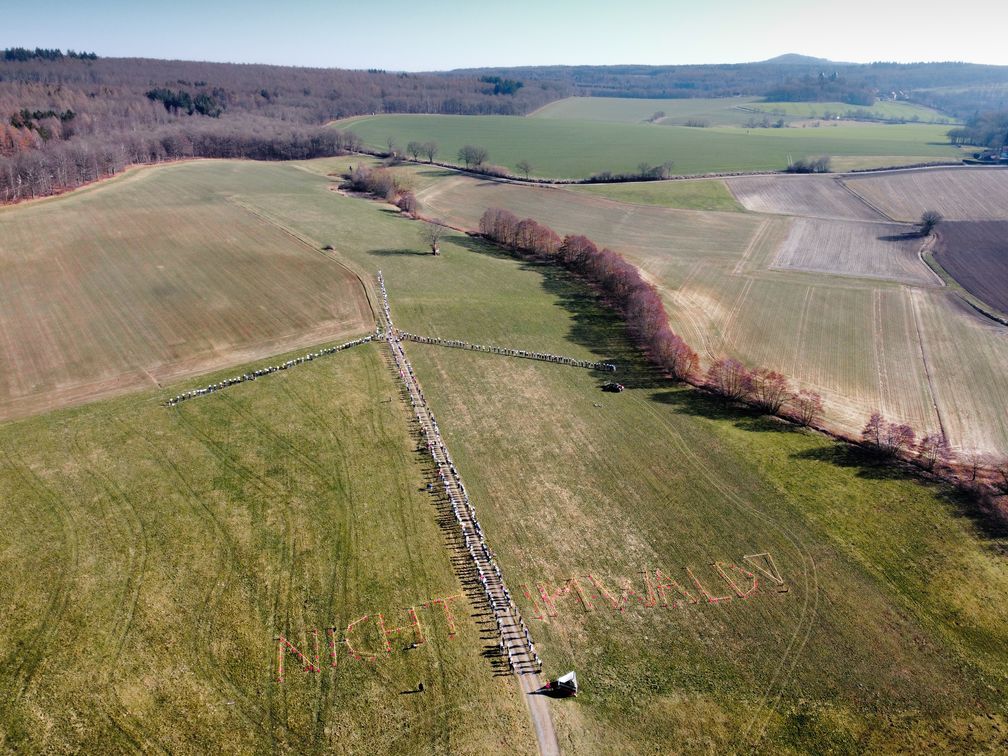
976, 255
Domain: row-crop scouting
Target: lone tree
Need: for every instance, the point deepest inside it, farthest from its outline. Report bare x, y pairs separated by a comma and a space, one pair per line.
928, 220
525, 167
430, 149
415, 149
433, 232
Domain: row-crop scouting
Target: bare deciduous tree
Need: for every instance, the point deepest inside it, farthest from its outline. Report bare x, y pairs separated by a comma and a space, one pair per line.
433, 232
525, 167
928, 220
430, 149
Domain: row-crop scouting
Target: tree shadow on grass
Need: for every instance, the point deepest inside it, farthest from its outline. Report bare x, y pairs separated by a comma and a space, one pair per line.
982, 513
907, 236
599, 329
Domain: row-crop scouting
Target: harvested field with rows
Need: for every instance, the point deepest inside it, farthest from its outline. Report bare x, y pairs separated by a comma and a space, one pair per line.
975, 254
806, 195
973, 193
152, 277
848, 248
822, 299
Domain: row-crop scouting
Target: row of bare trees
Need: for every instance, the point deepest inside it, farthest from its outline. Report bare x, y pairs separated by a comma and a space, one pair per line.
644, 312
767, 390
932, 452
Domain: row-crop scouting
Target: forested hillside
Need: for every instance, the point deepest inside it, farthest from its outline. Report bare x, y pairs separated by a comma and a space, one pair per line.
66, 119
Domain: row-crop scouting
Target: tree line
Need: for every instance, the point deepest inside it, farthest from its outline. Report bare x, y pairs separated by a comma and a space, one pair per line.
67, 119
66, 165
768, 391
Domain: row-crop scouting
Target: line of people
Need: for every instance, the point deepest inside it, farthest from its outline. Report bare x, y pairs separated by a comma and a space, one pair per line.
204, 390
543, 356
484, 561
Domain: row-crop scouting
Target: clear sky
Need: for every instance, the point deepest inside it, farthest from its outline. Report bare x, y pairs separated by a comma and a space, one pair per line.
424, 35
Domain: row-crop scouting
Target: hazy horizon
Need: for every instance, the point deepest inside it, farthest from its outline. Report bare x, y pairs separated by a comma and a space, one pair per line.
444, 34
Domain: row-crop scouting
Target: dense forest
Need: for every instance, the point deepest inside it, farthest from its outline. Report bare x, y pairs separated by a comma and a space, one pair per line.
957, 88
69, 118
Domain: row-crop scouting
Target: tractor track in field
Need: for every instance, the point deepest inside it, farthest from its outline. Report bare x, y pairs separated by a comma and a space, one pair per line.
30, 658
789, 659
252, 711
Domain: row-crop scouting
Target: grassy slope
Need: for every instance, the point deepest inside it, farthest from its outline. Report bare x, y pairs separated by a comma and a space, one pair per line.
890, 633
880, 109
157, 275
573, 149
150, 556
721, 111
659, 478
685, 195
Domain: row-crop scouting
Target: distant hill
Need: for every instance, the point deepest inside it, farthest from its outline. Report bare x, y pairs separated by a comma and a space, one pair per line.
794, 59
959, 89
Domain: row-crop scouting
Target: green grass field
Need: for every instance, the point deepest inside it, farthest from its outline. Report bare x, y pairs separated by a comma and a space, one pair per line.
723, 111
720, 111
563, 148
685, 195
151, 555
885, 109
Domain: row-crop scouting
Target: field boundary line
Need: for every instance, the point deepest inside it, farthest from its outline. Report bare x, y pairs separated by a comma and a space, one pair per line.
871, 206
313, 246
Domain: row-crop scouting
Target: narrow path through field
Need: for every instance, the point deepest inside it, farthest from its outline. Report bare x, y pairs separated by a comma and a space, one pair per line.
516, 642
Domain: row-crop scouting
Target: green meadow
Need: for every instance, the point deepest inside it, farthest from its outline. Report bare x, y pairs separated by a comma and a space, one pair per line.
568, 148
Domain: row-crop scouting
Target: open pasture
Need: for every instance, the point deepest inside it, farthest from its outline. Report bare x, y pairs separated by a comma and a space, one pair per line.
151, 556
848, 248
714, 111
175, 544
809, 196
880, 109
154, 276
688, 194
966, 193
975, 254
572, 482
562, 148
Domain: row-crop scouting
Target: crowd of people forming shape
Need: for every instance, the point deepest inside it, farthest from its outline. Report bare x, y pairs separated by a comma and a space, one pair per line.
543, 356
498, 596
310, 357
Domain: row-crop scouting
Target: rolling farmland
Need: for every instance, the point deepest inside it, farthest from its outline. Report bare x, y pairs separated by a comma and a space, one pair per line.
175, 544
975, 253
805, 195
973, 193
845, 248
822, 299
881, 109
155, 276
562, 148
167, 549
717, 111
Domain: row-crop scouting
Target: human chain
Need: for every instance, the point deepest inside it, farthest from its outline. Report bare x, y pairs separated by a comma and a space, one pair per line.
310, 357
523, 353
515, 642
